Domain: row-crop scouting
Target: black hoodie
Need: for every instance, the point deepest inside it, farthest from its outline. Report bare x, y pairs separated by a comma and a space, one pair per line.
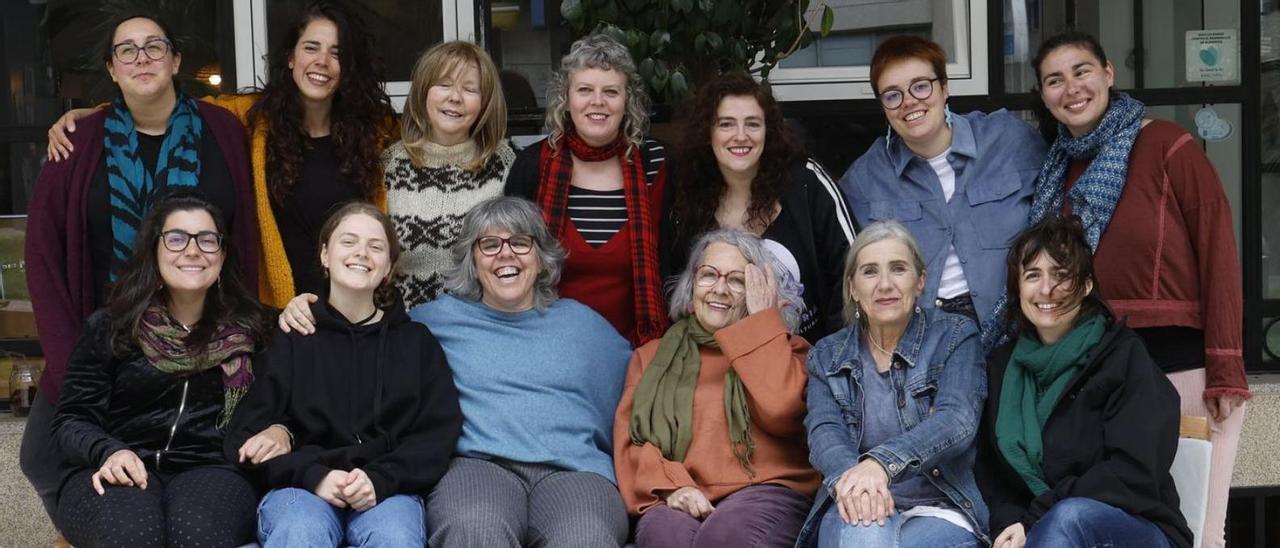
379, 397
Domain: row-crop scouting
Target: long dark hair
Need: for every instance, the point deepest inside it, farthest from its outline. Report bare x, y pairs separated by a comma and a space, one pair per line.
359, 117
139, 286
699, 185
1063, 239
1074, 38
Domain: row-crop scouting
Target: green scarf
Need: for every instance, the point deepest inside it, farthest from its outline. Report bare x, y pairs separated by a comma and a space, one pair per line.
164, 343
1035, 379
662, 413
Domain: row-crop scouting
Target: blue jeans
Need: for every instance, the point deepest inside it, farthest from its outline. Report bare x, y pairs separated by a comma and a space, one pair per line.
297, 517
1084, 522
921, 531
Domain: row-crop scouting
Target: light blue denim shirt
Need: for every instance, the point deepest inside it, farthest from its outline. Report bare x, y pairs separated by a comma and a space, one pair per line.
996, 158
940, 380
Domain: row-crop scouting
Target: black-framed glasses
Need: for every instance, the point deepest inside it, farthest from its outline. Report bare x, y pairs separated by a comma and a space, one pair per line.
709, 276
920, 89
155, 50
177, 241
520, 244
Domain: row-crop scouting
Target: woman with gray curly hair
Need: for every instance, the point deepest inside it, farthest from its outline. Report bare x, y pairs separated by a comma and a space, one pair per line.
709, 435
538, 378
599, 183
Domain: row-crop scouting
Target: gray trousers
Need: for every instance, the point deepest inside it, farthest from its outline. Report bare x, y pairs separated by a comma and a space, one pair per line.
500, 503
38, 456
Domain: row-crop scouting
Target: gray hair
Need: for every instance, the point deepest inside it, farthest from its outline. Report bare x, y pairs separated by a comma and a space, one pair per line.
681, 286
873, 233
517, 216
598, 51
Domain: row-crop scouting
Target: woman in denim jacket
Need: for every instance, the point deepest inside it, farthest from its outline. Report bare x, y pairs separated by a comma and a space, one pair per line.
894, 400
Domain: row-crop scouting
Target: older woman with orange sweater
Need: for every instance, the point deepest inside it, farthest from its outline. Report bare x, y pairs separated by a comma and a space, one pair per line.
709, 443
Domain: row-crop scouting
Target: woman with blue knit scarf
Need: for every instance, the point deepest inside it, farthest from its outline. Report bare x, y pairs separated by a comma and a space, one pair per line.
1159, 225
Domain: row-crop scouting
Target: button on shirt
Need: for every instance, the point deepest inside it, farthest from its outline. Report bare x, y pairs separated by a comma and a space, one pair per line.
995, 158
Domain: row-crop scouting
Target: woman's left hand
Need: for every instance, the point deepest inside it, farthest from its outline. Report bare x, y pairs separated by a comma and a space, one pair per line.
762, 289
863, 495
1221, 407
358, 492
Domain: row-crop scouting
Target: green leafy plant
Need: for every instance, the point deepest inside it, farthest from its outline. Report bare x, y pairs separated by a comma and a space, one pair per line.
677, 43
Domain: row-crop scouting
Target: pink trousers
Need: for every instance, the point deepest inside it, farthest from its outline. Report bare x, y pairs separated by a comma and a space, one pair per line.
1225, 437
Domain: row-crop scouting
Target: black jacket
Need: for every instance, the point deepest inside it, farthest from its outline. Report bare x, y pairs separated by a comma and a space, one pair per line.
1111, 438
379, 397
111, 403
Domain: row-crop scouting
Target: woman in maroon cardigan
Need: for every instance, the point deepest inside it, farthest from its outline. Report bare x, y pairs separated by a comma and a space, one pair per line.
85, 211
1160, 228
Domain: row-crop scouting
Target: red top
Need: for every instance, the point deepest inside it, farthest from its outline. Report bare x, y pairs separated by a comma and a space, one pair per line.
1169, 256
601, 277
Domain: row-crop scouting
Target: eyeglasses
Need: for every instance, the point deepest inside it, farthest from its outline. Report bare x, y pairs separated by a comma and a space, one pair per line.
520, 244
178, 240
920, 89
155, 50
709, 276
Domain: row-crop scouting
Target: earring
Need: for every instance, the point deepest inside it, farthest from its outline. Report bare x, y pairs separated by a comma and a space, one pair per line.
917, 309
946, 114
857, 312
888, 138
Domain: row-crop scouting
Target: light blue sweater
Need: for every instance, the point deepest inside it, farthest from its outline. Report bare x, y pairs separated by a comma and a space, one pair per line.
535, 387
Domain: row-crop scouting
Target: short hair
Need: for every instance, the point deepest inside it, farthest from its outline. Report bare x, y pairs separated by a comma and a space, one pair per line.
386, 292
903, 47
444, 61
790, 304
1063, 239
517, 216
876, 232
108, 48
598, 51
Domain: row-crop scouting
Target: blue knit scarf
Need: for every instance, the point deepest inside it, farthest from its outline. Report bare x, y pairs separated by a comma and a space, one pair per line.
133, 189
1095, 194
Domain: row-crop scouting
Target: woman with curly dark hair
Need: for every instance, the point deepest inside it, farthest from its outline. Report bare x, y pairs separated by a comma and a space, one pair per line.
320, 123
740, 167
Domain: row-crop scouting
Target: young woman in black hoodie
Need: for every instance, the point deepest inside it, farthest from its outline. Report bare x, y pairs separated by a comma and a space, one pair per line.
1081, 426
368, 400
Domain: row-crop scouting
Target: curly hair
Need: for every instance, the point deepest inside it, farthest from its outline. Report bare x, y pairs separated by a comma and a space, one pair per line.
597, 51
517, 216
359, 106
699, 185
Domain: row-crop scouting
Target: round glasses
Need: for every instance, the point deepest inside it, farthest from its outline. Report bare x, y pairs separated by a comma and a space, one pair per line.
178, 240
520, 244
920, 89
709, 276
155, 50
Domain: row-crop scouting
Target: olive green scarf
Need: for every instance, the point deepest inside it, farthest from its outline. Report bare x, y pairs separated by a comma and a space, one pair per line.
662, 413
1034, 381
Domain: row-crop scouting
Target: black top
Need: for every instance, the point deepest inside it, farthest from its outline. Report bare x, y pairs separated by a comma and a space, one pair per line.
1111, 437
215, 184
377, 396
1173, 347
597, 214
319, 191
810, 228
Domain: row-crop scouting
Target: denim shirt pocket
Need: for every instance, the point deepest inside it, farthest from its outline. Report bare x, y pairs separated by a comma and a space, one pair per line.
995, 218
903, 211
923, 393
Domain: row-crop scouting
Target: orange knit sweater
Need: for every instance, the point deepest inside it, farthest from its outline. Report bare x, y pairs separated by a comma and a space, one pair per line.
771, 364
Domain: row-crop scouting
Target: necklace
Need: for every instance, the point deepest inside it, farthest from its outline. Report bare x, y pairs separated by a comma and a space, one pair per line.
368, 319
877, 346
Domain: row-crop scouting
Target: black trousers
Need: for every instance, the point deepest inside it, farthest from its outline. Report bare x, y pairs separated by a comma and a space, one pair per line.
38, 457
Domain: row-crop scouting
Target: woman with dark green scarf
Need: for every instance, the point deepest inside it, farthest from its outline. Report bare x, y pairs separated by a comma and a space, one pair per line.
709, 436
1081, 426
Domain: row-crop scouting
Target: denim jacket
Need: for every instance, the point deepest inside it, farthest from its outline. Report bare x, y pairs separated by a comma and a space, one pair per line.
941, 383
996, 158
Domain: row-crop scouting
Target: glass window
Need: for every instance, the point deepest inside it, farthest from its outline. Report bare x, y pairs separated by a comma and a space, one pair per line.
860, 26
1270, 152
402, 28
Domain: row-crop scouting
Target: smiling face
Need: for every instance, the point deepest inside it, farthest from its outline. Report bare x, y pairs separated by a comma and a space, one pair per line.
453, 103
885, 284
506, 279
597, 103
190, 271
738, 134
718, 305
919, 122
314, 62
1075, 86
357, 254
1046, 299
145, 78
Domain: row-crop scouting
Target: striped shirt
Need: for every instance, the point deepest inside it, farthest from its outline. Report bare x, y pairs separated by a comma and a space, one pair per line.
597, 214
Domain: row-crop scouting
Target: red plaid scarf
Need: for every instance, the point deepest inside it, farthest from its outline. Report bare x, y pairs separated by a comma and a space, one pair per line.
555, 173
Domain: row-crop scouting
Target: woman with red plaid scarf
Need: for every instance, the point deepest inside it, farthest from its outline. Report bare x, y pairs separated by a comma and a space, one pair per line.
599, 183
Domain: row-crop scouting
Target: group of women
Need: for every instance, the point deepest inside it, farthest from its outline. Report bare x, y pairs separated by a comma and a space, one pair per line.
999, 357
